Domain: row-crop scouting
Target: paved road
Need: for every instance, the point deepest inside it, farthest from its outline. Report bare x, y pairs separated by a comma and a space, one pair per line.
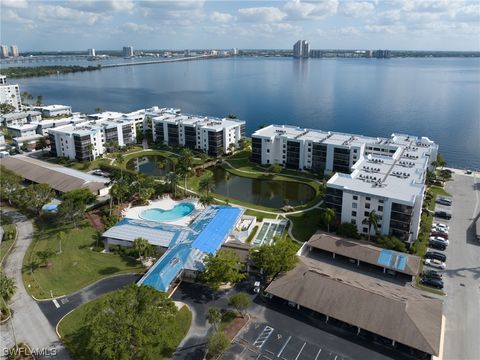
28, 323
462, 277
55, 310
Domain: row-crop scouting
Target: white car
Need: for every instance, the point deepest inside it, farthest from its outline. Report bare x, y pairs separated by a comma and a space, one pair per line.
435, 263
438, 225
439, 239
440, 229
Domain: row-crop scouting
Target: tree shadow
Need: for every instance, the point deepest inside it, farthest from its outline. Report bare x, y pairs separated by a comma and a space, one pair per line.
109, 270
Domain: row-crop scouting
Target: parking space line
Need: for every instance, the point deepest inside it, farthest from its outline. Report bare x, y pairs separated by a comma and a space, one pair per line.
284, 346
319, 351
298, 355
263, 337
55, 302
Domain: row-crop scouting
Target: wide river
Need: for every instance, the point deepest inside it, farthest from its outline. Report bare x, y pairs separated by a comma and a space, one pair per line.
437, 98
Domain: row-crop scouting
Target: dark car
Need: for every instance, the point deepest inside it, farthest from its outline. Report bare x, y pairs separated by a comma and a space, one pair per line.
432, 274
444, 201
437, 245
435, 283
442, 234
443, 215
436, 255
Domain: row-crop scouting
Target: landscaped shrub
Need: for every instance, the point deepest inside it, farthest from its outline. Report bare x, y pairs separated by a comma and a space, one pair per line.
348, 230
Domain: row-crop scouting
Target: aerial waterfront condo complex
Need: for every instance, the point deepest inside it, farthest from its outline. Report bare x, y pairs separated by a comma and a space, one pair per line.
87, 140
385, 175
211, 135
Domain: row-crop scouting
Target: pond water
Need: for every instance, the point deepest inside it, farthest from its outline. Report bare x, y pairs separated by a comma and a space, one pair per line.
262, 192
154, 165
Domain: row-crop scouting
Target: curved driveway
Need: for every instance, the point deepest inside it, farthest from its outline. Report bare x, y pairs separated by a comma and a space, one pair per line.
28, 323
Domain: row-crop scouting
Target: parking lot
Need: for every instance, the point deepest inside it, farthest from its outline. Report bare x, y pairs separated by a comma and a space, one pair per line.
263, 342
462, 274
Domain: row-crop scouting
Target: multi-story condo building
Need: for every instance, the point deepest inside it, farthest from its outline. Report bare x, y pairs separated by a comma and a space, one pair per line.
54, 110
3, 51
91, 52
301, 49
14, 51
385, 175
127, 51
88, 140
211, 135
20, 117
10, 94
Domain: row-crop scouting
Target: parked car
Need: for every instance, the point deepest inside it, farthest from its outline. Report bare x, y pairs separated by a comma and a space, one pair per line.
432, 274
437, 245
439, 239
432, 282
443, 215
444, 201
468, 172
442, 234
438, 225
436, 255
435, 263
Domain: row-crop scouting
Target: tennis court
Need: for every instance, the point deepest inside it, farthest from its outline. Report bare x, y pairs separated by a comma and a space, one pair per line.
269, 230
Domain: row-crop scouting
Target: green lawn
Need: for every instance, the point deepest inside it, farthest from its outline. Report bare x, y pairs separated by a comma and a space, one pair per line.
76, 267
305, 224
74, 164
9, 232
76, 320
252, 234
437, 190
260, 215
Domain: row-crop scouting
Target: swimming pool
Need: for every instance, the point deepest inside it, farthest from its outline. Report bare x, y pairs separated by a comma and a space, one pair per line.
178, 211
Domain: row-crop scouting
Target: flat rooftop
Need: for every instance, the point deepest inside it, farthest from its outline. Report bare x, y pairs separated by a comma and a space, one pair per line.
403, 314
89, 127
174, 117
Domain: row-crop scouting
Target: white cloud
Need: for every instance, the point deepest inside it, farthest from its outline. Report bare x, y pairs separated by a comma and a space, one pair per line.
262, 14
16, 4
99, 6
297, 9
357, 9
60, 13
130, 26
220, 17
348, 31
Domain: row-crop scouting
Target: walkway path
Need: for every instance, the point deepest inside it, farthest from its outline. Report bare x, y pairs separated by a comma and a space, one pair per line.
28, 323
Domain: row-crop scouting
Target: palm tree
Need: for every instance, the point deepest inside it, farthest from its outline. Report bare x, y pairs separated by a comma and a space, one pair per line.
98, 110
206, 200
61, 237
7, 287
206, 183
372, 221
214, 316
140, 245
90, 148
39, 100
172, 178
185, 162
120, 160
174, 162
328, 215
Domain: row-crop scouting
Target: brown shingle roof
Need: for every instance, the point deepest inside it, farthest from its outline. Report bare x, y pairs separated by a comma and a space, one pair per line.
361, 250
398, 313
57, 177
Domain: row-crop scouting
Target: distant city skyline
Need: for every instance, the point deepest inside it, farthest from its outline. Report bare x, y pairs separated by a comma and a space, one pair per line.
340, 24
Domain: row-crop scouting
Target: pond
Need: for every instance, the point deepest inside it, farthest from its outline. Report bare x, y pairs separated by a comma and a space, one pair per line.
262, 192
154, 165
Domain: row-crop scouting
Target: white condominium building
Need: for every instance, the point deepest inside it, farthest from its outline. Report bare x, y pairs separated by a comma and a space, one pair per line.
211, 135
10, 94
88, 140
385, 175
54, 110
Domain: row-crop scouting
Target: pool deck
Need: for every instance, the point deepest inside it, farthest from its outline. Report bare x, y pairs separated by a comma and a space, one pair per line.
165, 203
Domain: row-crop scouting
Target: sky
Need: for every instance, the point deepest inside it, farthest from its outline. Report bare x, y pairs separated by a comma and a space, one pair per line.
197, 24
